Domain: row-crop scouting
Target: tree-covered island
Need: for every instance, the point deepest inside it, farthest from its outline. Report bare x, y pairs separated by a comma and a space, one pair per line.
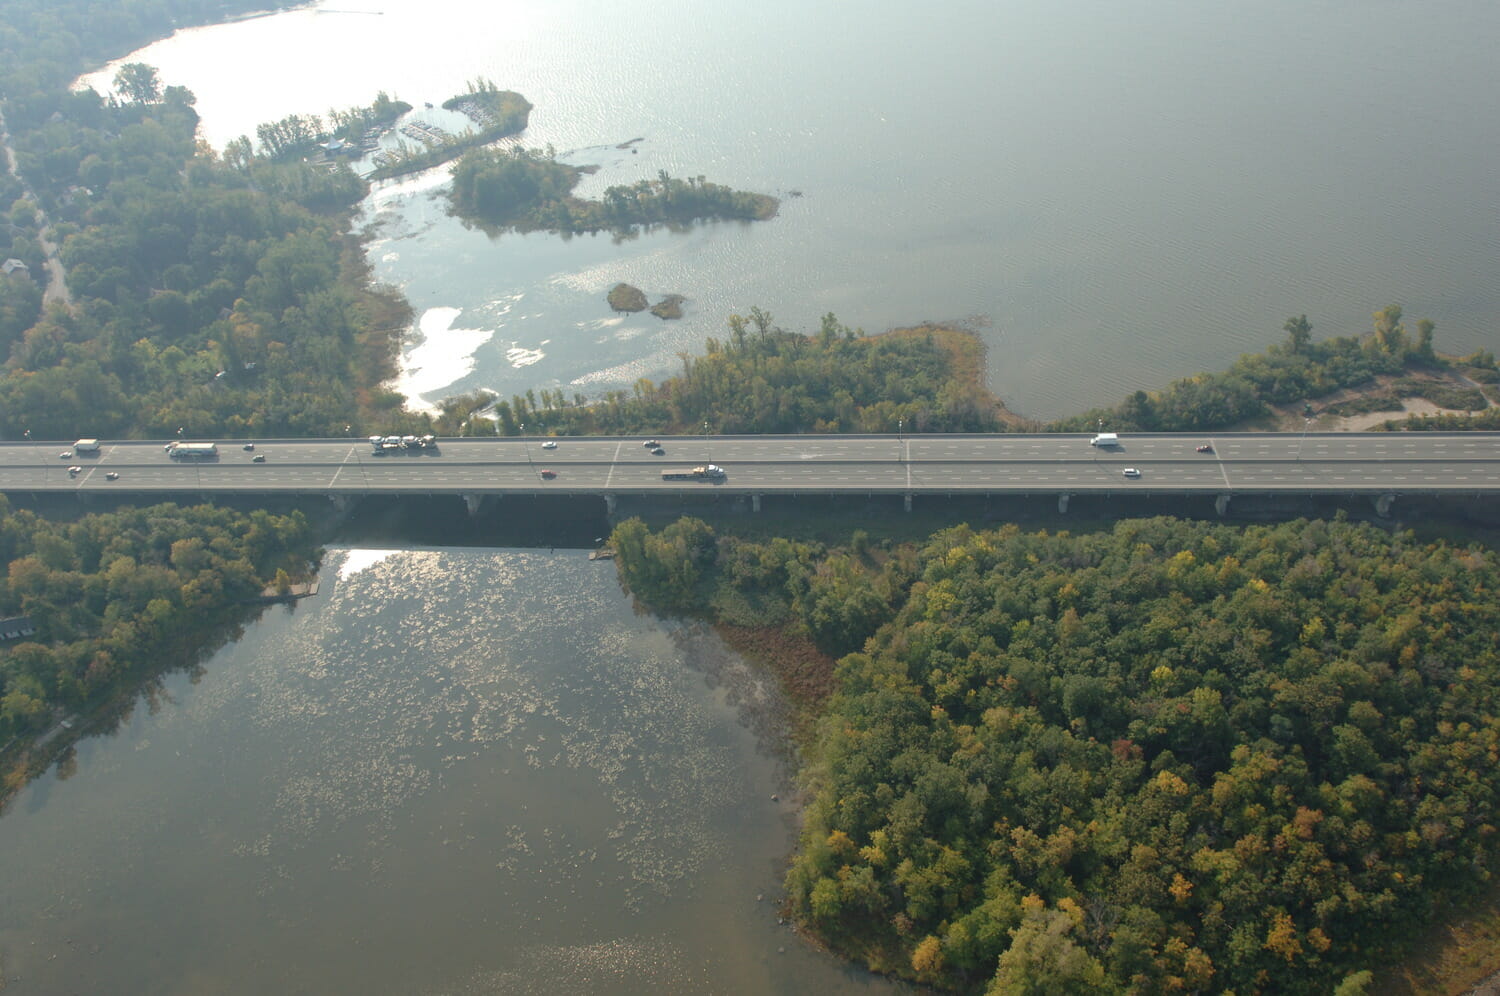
529, 190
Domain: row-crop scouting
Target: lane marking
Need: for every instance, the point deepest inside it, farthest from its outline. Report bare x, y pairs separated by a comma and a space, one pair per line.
609, 478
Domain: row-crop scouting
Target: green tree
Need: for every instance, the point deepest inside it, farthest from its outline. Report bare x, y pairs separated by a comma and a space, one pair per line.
139, 83
1298, 334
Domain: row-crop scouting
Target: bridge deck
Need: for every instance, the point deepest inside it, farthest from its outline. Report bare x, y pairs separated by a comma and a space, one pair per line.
1316, 463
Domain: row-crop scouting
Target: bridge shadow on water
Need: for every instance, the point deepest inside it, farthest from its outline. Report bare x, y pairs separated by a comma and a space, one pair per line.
444, 520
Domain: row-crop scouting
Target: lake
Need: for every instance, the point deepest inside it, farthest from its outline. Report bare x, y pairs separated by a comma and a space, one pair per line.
1113, 194
451, 771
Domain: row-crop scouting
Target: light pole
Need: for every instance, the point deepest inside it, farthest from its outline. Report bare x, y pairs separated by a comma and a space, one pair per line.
26, 435
526, 443
705, 442
1303, 438
900, 439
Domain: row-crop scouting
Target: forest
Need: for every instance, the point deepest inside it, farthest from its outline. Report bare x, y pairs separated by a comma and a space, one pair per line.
115, 597
529, 190
1169, 756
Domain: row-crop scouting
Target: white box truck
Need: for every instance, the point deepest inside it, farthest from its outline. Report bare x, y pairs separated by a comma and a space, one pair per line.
1105, 439
86, 446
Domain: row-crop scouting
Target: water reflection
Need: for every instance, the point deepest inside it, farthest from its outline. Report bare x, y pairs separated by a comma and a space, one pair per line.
454, 771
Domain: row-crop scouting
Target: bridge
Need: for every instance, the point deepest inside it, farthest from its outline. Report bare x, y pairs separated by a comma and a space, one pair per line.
1379, 466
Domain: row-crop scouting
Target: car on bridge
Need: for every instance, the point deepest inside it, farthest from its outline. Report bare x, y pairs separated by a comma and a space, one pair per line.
1206, 448
111, 475
550, 444
1131, 472
548, 474
258, 458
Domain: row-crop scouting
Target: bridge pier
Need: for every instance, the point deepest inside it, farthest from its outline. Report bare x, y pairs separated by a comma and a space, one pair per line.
908, 501
1221, 505
1062, 503
1383, 505
755, 503
611, 503
473, 503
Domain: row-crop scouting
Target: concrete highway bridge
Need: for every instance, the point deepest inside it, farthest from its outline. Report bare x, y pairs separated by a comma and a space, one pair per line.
1380, 467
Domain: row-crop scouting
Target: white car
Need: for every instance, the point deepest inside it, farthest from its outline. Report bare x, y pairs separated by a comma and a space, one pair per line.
550, 444
65, 455
1131, 472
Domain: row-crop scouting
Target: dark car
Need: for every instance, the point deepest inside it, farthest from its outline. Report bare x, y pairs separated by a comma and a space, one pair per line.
258, 458
1205, 448
248, 447
549, 474
657, 451
651, 444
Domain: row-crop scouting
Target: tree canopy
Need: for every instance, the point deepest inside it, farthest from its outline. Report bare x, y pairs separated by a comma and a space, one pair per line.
1175, 755
117, 595
528, 190
766, 379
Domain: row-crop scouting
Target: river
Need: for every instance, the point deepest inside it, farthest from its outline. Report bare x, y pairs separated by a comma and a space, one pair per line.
452, 771
1114, 194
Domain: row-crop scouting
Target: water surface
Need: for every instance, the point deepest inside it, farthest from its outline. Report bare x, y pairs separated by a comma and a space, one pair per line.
1116, 193
454, 771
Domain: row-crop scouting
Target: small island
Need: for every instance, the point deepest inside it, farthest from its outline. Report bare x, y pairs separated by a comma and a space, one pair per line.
529, 190
668, 307
624, 297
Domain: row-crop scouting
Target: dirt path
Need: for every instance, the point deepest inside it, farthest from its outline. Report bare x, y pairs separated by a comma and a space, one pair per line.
57, 283
1359, 423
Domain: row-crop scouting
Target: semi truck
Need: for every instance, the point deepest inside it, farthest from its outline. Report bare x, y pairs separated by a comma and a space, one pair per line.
708, 472
192, 451
392, 444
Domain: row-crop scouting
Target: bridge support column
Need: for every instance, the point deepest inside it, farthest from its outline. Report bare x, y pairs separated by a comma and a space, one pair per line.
341, 503
1062, 503
755, 503
1383, 505
473, 503
908, 501
610, 505
1221, 505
